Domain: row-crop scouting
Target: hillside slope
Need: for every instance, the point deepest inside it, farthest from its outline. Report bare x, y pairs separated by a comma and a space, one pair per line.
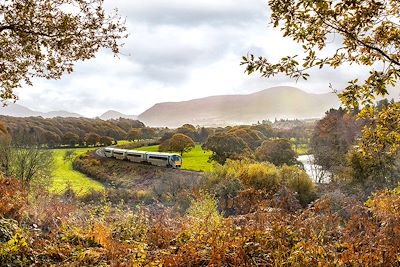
16, 110
276, 102
112, 114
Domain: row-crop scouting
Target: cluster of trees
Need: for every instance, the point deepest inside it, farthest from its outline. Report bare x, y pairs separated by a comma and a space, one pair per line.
368, 36
261, 142
184, 138
142, 133
71, 132
339, 141
333, 137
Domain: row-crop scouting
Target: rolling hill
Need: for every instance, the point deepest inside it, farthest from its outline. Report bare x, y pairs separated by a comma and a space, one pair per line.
112, 114
16, 110
275, 102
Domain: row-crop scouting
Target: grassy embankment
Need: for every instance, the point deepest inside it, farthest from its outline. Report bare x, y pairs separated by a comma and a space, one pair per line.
194, 160
302, 149
63, 174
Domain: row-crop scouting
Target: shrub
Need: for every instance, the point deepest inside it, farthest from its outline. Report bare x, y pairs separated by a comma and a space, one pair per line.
262, 176
299, 181
145, 196
242, 186
204, 210
13, 198
8, 228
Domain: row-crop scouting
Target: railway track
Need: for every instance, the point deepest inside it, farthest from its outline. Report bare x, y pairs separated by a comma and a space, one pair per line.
99, 153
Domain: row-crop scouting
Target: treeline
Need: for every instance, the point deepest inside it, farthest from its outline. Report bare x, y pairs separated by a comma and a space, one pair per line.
57, 132
338, 145
83, 132
260, 141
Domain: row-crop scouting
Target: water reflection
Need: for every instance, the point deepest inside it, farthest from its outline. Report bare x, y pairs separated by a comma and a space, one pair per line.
313, 170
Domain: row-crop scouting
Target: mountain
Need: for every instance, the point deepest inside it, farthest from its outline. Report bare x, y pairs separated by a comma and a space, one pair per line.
112, 114
276, 102
16, 110
61, 113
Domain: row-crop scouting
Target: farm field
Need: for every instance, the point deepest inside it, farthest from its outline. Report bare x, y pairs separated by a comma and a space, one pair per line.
194, 160
63, 174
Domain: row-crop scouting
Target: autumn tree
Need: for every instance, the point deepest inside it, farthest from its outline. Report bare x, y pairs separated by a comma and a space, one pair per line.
44, 38
70, 139
374, 162
180, 143
366, 33
189, 130
277, 152
265, 129
147, 133
252, 138
31, 162
51, 139
5, 150
106, 141
92, 139
135, 134
203, 134
224, 146
166, 135
333, 137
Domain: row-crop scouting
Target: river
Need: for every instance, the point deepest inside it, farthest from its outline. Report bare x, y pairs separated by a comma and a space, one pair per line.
314, 171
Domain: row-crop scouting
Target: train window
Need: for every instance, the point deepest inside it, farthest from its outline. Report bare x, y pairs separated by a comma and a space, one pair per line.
135, 155
159, 158
176, 158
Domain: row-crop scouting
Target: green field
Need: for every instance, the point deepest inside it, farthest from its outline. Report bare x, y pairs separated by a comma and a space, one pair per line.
63, 174
125, 142
194, 160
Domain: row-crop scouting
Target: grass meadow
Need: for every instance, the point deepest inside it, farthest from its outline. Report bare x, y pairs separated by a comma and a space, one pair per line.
64, 175
194, 160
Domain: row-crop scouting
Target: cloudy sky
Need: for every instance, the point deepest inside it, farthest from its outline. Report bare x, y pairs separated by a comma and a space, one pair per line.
177, 50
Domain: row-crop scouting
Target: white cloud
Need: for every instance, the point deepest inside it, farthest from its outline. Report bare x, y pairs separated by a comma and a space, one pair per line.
177, 50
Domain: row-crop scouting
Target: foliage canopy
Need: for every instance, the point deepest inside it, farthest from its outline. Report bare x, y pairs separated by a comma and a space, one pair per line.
181, 143
43, 38
278, 152
366, 33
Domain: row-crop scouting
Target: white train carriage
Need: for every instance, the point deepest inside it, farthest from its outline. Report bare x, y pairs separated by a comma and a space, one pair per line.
136, 156
120, 153
108, 152
164, 159
153, 158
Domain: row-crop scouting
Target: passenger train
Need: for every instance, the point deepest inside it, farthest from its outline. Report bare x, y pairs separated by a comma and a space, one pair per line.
153, 158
